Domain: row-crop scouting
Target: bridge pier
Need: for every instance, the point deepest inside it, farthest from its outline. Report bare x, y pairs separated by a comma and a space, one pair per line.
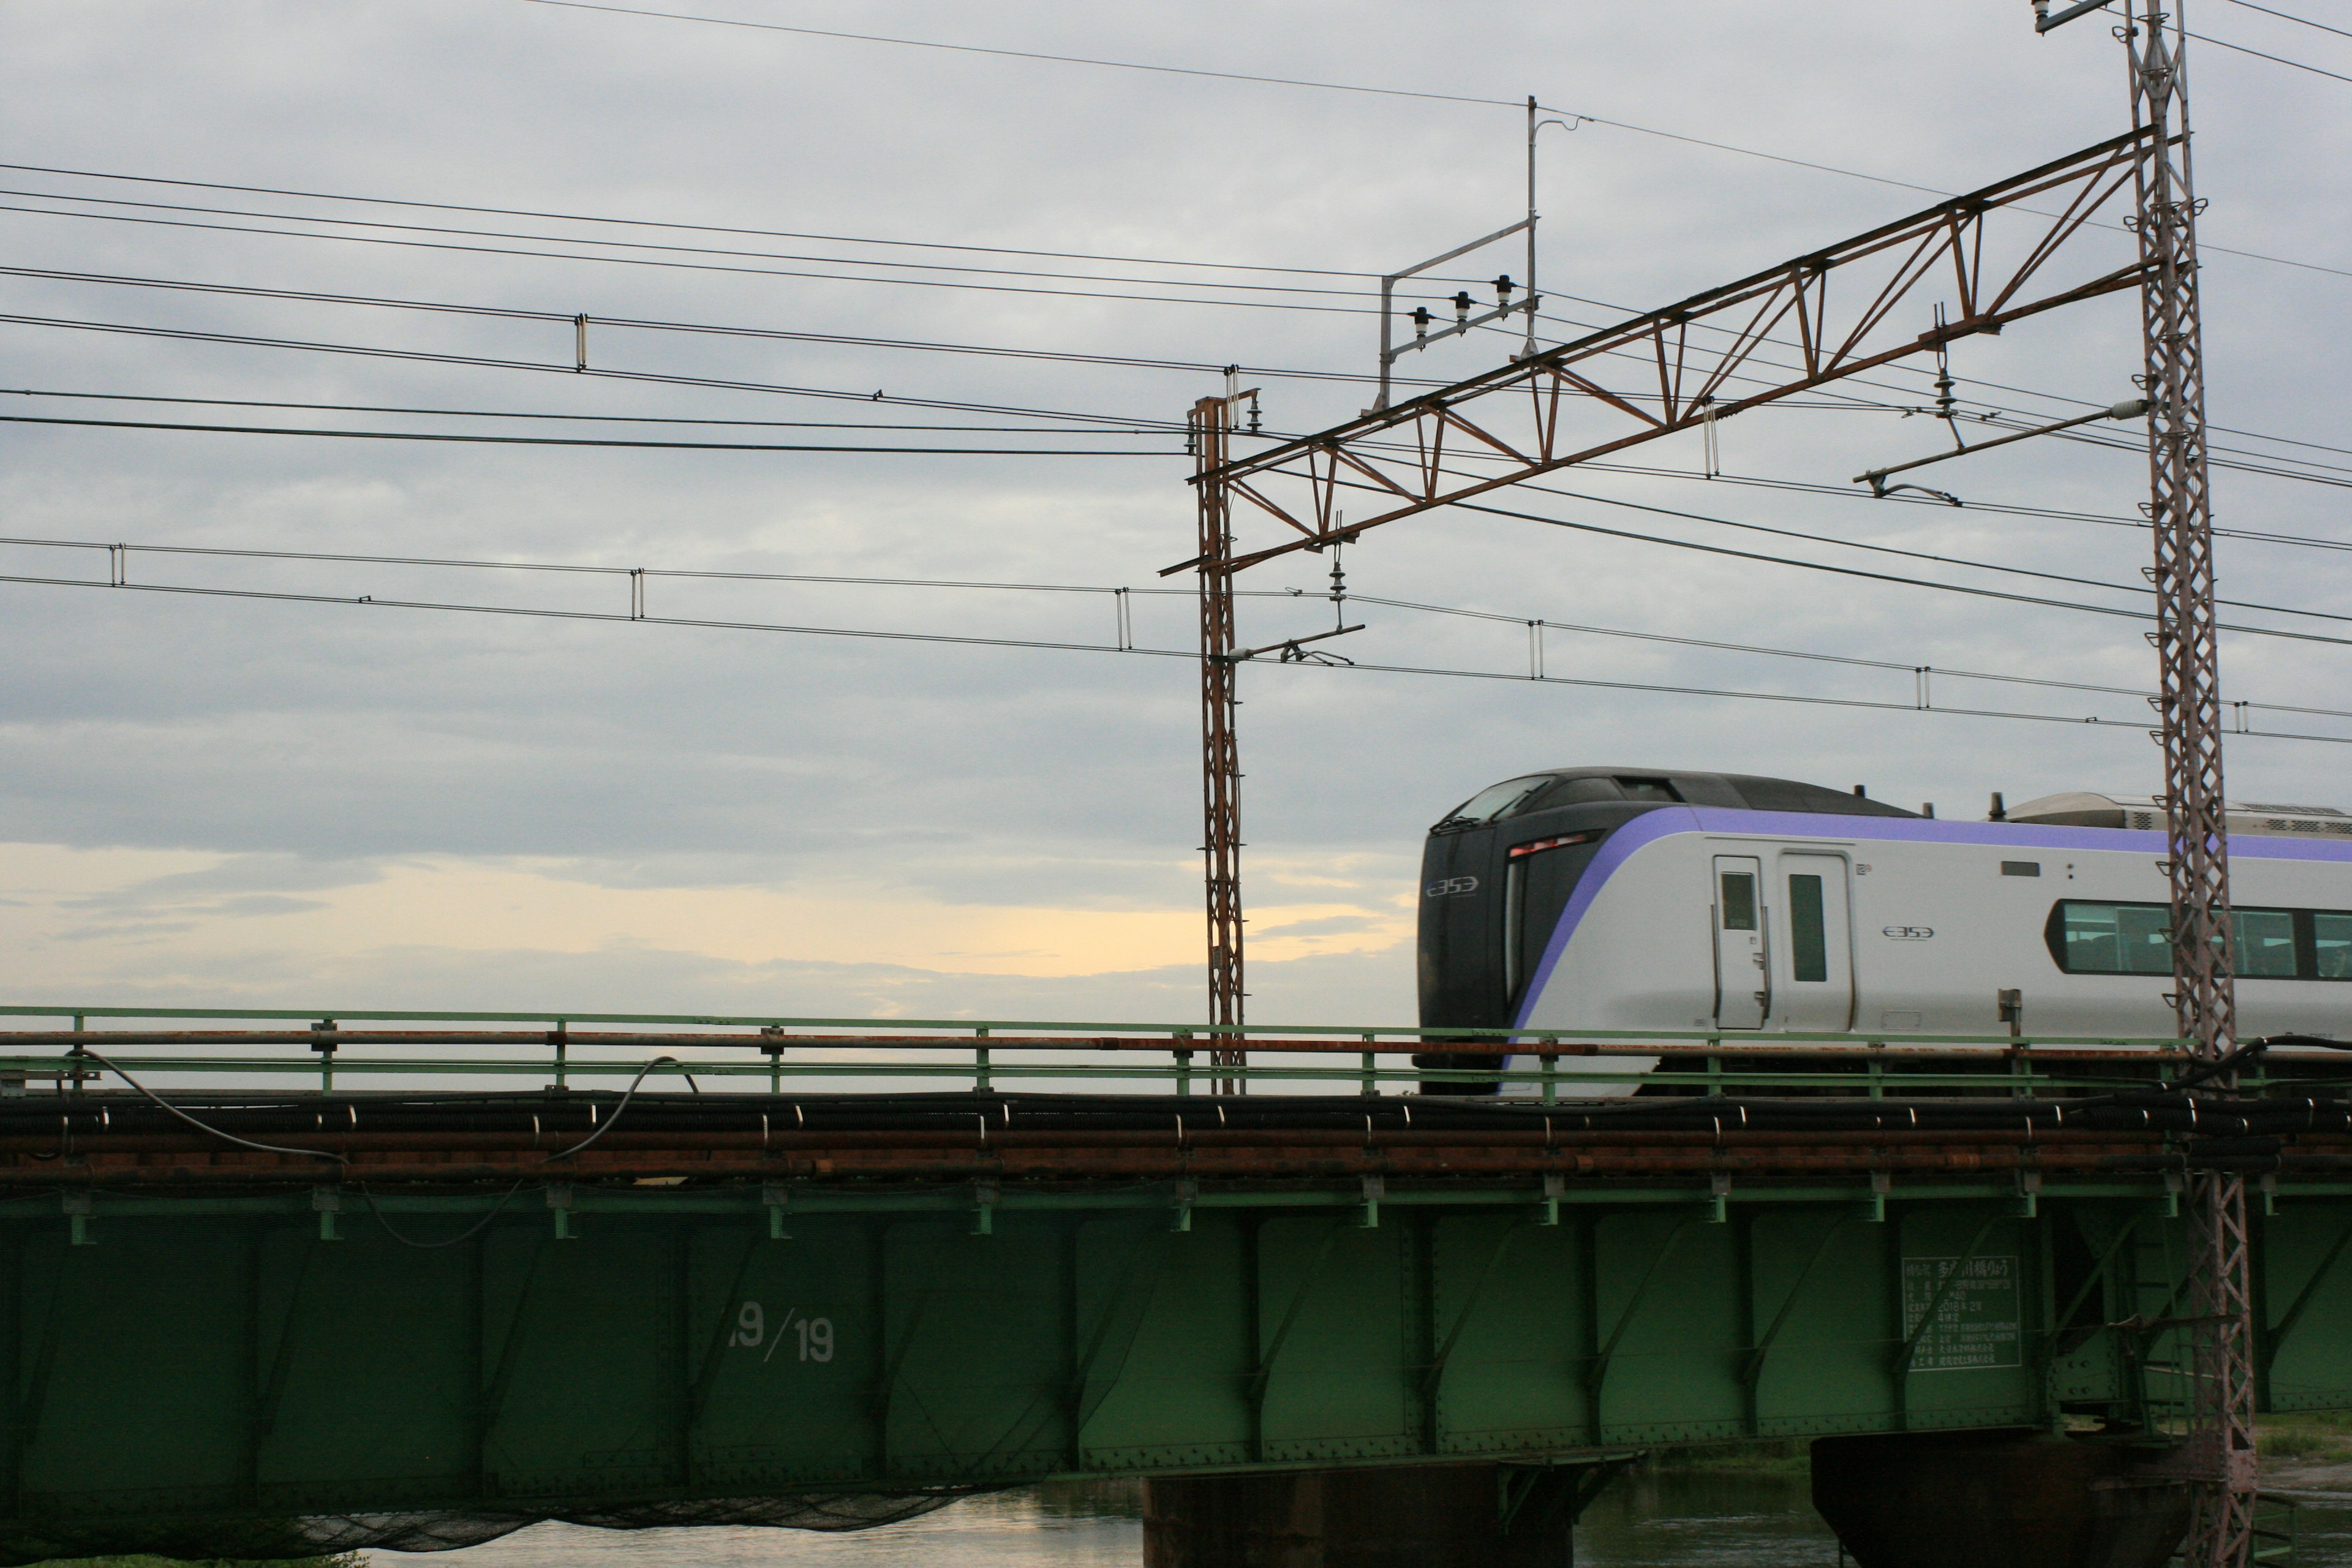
1998, 1499
1477, 1515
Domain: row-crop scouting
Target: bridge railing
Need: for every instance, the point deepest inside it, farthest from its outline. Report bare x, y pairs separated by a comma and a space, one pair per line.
225, 1047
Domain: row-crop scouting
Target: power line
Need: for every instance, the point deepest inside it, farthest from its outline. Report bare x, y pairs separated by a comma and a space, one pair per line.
509, 312
852, 340
585, 418
428, 356
1911, 554
1537, 675
1858, 571
674, 265
1380, 92
2276, 59
1028, 55
578, 440
521, 313
680, 226
674, 249
1749, 481
2282, 15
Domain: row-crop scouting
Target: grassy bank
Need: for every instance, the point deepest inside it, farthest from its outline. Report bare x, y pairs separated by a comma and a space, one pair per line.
2305, 1437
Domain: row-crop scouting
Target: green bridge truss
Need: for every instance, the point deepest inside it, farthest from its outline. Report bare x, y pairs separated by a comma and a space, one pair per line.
200, 1371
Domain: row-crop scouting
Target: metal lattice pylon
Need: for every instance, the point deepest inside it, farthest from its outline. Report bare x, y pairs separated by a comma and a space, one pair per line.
2189, 698
1221, 769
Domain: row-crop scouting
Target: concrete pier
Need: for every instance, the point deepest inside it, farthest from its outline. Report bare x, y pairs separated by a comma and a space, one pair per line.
1998, 1499
1409, 1516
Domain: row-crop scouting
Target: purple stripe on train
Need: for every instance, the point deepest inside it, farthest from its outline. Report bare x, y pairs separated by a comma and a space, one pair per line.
1651, 827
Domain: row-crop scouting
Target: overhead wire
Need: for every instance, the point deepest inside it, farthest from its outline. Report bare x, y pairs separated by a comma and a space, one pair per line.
2286, 17
647, 245
1351, 88
688, 266
280, 595
1960, 588
542, 413
785, 334
430, 356
681, 226
477, 440
789, 335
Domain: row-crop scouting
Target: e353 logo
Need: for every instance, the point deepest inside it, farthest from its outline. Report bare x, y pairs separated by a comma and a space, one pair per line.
1450, 887
1907, 933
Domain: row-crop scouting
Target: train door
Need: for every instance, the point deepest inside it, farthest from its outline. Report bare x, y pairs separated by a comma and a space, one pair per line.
1743, 980
1817, 939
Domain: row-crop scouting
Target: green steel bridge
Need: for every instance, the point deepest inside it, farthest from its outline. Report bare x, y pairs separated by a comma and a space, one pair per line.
637, 1270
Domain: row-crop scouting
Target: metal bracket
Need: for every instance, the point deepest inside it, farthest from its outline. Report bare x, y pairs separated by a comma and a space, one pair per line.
776, 1196
77, 1211
559, 1198
327, 1201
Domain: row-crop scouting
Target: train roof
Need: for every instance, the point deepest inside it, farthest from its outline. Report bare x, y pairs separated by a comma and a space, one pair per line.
2087, 808
1580, 786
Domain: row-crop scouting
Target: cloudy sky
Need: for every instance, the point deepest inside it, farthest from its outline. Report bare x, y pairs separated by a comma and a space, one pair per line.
216, 799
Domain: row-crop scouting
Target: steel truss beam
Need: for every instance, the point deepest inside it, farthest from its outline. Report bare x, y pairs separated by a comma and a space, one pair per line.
1712, 355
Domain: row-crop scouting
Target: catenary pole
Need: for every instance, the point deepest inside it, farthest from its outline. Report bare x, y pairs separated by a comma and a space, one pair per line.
1213, 424
2196, 858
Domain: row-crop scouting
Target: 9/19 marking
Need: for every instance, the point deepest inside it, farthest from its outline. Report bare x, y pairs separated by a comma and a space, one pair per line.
752, 1331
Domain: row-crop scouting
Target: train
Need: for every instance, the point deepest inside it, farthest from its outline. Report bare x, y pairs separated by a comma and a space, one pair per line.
1614, 899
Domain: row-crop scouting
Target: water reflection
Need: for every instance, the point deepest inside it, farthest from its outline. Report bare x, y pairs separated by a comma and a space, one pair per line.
1701, 1517
1660, 1519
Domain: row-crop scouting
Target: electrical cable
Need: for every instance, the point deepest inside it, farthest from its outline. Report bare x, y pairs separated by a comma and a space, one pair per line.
468, 1234
1288, 594
611, 1120
579, 418
586, 440
776, 333
2284, 17
675, 249
684, 227
427, 356
712, 623
83, 1050
1911, 554
1343, 87
679, 266
699, 327
1858, 571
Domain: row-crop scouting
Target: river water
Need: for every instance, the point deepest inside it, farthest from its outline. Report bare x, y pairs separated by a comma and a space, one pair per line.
1662, 1520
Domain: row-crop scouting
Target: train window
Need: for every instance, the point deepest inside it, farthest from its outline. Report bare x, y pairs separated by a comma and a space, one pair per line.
2332, 946
2113, 939
1738, 901
2264, 940
1649, 789
2265, 944
1574, 792
1808, 941
1491, 802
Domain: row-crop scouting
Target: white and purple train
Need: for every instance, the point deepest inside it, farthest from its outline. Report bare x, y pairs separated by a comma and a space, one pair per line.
1614, 898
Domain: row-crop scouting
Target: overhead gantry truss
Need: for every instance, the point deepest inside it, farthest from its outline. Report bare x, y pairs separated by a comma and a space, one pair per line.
1816, 319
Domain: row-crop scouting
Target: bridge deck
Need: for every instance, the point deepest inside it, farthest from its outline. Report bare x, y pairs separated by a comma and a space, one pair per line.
438, 1312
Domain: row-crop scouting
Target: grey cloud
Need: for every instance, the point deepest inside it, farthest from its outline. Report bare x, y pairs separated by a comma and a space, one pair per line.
313, 742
